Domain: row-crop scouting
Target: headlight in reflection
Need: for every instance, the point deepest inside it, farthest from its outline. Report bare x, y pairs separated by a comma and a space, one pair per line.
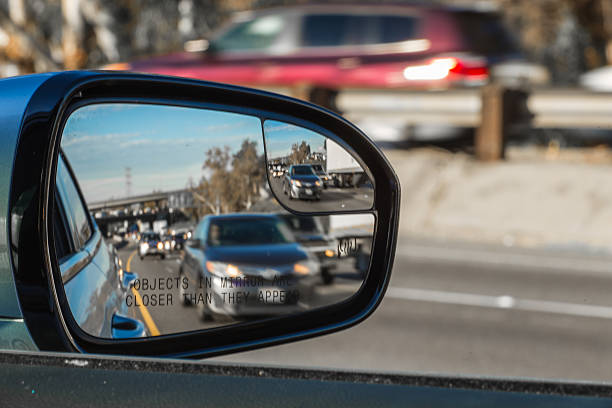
145, 246
329, 253
160, 245
297, 183
305, 268
318, 183
223, 269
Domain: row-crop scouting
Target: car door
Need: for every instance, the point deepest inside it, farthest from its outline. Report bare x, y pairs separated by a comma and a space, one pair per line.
89, 270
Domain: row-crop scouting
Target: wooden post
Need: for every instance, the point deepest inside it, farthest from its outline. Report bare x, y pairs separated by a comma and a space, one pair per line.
504, 112
489, 142
301, 90
319, 96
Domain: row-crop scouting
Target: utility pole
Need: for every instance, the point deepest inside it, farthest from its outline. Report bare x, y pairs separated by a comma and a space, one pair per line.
128, 181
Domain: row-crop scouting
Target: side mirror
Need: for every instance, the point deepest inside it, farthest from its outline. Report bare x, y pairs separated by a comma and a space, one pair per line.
193, 243
128, 279
287, 257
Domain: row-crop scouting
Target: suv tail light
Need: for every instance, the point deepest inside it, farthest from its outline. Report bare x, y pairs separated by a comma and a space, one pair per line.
441, 68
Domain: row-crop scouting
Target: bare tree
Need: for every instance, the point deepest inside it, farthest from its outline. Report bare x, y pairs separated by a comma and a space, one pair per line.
299, 152
213, 193
247, 175
234, 181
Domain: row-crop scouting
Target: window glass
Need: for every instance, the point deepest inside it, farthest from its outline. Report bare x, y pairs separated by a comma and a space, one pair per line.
242, 231
325, 30
256, 34
328, 30
76, 214
62, 247
394, 29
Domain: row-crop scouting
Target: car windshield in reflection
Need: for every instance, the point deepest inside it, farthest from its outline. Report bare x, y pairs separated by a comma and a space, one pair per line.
247, 230
303, 170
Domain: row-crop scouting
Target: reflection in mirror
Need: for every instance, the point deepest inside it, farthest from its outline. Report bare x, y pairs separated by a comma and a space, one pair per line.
309, 172
176, 228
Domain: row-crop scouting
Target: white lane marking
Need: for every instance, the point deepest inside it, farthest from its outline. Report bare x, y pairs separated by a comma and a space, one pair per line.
169, 270
545, 262
78, 363
500, 302
178, 261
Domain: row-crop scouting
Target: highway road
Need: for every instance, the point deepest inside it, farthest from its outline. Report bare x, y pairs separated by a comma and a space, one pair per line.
332, 198
450, 309
475, 310
156, 300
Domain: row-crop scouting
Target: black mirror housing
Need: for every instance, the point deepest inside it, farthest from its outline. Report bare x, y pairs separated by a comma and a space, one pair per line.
41, 295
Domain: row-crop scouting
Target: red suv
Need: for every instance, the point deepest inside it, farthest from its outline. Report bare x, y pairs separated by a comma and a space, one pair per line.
338, 46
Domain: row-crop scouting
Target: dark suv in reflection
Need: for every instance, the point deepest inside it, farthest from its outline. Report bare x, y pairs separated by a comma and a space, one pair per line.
322, 174
302, 182
242, 265
310, 234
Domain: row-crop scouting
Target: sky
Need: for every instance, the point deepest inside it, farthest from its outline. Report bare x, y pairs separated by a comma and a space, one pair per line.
164, 146
281, 136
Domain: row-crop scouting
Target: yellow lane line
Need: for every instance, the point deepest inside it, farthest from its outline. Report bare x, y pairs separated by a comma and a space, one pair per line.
129, 261
143, 309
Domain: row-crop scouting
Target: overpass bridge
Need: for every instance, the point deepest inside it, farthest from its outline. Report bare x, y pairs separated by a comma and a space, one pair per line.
125, 211
179, 199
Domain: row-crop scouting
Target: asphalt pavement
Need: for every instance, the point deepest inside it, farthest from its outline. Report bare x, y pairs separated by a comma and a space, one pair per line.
155, 296
332, 198
475, 310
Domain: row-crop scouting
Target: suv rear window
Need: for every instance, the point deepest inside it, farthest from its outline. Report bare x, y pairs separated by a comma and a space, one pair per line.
329, 30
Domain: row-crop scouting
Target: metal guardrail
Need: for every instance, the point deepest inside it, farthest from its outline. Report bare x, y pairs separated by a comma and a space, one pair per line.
492, 110
552, 108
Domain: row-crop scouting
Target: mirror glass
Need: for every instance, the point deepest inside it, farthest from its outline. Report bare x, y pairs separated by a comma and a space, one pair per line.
309, 172
165, 222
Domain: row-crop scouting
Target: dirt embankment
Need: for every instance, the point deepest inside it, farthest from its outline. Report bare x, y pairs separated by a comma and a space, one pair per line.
535, 198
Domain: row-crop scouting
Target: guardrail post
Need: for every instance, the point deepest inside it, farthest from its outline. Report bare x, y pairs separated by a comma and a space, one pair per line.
502, 110
301, 91
489, 142
319, 96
